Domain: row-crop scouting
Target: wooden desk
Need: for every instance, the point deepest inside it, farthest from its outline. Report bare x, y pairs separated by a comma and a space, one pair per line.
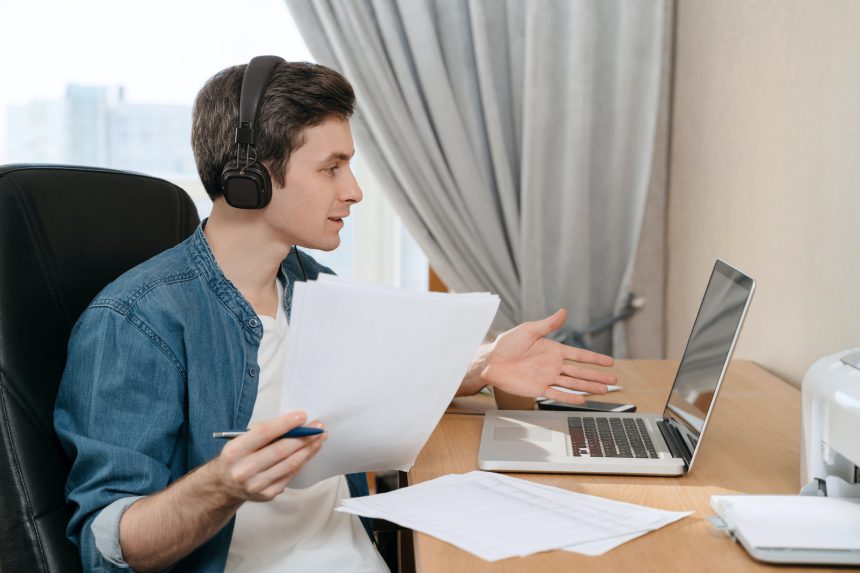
752, 446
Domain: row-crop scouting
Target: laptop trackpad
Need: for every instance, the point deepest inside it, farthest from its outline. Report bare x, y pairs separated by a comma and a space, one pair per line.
518, 433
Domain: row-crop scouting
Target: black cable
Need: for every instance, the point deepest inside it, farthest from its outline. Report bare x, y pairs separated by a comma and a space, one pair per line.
581, 338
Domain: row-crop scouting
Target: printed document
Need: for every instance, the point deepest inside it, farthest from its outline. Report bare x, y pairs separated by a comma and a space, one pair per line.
495, 516
378, 366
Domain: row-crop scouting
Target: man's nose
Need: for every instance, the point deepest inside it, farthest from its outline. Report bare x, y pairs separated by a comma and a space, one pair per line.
352, 192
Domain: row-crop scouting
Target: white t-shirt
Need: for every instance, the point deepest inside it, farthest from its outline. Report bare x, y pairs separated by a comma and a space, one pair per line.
298, 530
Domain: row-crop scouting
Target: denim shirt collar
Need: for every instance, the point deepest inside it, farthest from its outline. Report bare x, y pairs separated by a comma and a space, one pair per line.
226, 291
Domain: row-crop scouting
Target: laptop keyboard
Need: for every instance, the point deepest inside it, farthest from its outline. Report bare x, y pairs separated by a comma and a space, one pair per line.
610, 437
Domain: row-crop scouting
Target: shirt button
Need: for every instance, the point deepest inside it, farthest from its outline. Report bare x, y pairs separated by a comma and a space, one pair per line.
253, 323
252, 372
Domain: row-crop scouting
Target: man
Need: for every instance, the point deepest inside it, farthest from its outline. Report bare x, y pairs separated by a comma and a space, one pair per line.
192, 342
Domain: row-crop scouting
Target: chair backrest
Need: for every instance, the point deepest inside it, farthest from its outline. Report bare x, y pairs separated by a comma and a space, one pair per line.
65, 233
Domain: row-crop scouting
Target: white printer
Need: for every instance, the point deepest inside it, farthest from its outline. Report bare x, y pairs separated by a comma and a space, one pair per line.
830, 445
822, 525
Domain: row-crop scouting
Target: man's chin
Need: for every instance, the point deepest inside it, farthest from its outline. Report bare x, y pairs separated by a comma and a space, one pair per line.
320, 245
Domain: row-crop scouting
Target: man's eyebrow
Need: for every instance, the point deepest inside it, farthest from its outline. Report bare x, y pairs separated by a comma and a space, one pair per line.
339, 156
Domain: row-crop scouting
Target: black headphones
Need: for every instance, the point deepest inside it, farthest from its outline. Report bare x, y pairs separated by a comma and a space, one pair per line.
245, 182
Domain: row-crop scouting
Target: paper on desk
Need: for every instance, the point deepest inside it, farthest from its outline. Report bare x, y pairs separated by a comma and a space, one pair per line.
378, 366
495, 516
595, 548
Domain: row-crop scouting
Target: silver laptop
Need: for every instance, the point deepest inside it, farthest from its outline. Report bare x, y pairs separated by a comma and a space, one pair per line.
634, 443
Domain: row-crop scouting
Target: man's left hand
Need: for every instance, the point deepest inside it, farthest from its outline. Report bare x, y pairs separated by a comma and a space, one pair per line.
522, 362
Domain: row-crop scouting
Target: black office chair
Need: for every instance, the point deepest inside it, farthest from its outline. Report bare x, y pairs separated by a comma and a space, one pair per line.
65, 233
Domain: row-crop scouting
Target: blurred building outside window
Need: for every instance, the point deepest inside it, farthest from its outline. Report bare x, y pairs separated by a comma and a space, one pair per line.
115, 110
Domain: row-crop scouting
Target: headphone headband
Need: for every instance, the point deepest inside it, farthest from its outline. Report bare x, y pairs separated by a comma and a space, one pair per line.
254, 82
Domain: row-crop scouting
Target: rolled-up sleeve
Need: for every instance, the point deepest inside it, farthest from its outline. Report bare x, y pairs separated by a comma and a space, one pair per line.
105, 528
119, 415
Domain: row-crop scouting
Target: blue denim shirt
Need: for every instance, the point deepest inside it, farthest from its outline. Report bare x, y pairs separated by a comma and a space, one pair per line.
162, 357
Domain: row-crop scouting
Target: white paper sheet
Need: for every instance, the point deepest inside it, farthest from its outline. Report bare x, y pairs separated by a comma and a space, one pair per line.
594, 548
378, 366
495, 516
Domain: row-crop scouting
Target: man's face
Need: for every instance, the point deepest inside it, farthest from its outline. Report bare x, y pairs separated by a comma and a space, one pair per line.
319, 188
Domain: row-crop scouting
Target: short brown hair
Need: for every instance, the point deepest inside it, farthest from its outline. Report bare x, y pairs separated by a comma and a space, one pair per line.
299, 95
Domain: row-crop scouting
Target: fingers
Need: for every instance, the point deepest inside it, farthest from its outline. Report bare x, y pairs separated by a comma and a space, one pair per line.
549, 324
581, 385
574, 371
587, 356
561, 396
251, 462
246, 469
264, 433
272, 481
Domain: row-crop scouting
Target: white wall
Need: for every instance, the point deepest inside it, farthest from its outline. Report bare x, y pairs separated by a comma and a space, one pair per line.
765, 172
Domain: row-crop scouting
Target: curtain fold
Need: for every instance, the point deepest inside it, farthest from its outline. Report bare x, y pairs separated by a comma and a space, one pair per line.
515, 139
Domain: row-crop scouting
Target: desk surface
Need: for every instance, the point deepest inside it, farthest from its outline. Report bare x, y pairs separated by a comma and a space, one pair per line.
752, 446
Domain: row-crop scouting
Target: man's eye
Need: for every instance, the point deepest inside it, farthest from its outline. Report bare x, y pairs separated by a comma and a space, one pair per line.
331, 170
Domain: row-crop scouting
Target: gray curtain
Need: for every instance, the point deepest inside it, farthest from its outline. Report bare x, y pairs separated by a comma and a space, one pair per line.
514, 138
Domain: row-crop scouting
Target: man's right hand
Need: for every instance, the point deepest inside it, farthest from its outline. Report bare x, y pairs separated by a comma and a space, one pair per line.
160, 529
257, 466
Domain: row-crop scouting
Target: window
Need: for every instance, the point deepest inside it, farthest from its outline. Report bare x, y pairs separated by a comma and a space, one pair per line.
111, 84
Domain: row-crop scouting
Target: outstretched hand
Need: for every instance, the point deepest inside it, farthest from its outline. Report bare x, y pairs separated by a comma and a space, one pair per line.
523, 362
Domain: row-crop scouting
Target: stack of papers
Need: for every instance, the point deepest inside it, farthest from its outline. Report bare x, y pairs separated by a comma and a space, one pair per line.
378, 366
495, 516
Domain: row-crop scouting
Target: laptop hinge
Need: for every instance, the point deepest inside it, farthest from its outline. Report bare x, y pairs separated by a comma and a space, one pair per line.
675, 441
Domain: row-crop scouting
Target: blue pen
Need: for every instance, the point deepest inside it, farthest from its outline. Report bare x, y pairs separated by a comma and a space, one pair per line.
300, 432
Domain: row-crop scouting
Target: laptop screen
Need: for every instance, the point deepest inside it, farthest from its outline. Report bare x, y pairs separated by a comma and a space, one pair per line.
708, 351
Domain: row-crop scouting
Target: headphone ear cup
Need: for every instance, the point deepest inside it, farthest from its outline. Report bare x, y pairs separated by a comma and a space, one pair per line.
246, 187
